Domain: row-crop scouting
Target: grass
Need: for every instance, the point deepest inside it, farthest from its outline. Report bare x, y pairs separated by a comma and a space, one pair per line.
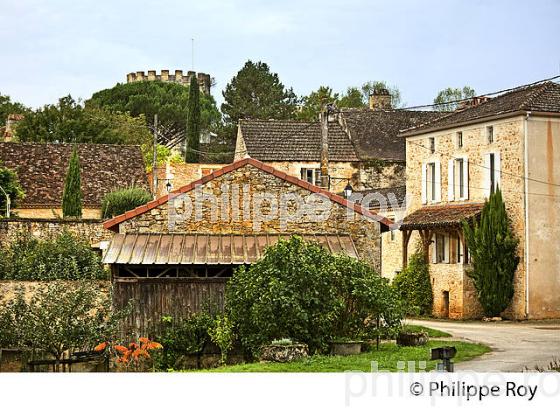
387, 357
432, 333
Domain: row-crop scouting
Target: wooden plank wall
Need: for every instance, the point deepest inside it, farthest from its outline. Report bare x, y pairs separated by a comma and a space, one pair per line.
157, 297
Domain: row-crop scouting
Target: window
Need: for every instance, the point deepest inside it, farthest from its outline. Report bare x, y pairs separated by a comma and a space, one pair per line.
431, 182
492, 171
458, 179
490, 134
392, 234
311, 175
441, 254
432, 143
459, 250
459, 139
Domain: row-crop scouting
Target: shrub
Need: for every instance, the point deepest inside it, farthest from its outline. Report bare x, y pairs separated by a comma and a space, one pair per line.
221, 333
493, 250
298, 290
414, 285
118, 202
64, 256
183, 337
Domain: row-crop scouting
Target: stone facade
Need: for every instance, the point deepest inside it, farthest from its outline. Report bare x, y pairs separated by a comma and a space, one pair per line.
41, 228
249, 185
204, 80
508, 142
181, 174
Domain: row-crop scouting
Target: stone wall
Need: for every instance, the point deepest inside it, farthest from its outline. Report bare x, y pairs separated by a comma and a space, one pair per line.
508, 140
53, 213
92, 229
229, 216
181, 174
382, 174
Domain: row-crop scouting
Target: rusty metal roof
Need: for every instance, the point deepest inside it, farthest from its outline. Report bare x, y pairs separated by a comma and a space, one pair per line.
202, 249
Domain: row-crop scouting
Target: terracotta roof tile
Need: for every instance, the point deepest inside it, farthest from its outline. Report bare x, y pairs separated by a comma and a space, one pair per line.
441, 215
42, 168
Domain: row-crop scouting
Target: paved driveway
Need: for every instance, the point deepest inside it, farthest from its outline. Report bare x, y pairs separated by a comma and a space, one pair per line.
515, 345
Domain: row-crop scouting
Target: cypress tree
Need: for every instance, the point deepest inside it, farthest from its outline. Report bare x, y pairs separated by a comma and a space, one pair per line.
72, 196
493, 250
193, 122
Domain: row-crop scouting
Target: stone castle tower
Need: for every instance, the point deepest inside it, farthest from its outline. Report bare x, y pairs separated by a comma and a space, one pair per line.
204, 80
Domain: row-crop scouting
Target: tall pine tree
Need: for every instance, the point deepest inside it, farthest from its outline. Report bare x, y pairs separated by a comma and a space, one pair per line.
493, 250
72, 196
193, 122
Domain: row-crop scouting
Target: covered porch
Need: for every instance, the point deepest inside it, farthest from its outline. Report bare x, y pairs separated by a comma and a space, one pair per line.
441, 239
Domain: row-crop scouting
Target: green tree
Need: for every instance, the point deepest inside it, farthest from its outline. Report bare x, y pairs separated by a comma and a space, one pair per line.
414, 285
192, 141
299, 290
369, 87
72, 195
257, 93
10, 184
59, 316
147, 98
493, 250
7, 107
445, 98
313, 103
353, 98
68, 121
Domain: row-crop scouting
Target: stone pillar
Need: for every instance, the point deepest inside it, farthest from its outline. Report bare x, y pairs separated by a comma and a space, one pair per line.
130, 77
140, 75
164, 75
178, 76
151, 75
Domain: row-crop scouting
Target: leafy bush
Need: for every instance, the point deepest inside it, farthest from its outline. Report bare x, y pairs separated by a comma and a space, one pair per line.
222, 335
58, 316
118, 202
493, 249
414, 285
64, 256
301, 291
184, 337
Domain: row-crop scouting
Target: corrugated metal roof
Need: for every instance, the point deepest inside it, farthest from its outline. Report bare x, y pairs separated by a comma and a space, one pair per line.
201, 249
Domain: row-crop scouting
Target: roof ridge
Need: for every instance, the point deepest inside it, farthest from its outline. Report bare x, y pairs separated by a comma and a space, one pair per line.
115, 221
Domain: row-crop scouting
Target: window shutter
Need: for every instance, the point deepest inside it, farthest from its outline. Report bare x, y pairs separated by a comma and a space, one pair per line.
451, 180
434, 248
446, 248
424, 183
498, 170
486, 176
466, 177
438, 181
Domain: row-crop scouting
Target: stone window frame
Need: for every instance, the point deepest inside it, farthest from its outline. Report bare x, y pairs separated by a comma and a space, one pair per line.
315, 177
431, 187
453, 184
490, 135
459, 142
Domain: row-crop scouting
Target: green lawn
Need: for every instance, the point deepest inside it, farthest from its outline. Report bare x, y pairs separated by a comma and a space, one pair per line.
431, 332
387, 357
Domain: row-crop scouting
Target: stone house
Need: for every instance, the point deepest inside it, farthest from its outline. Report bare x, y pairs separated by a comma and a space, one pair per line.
41, 170
364, 150
178, 250
455, 162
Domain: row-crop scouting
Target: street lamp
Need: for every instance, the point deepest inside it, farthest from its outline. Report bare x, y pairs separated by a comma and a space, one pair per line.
348, 190
168, 186
8, 202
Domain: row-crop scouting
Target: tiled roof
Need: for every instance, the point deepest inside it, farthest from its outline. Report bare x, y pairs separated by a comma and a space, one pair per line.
42, 168
375, 133
114, 222
543, 97
398, 191
441, 215
280, 140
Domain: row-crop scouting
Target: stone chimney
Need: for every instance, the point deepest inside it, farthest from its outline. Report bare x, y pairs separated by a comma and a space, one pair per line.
11, 121
380, 100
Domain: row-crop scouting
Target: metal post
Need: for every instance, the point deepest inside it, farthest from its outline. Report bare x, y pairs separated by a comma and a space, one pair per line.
154, 165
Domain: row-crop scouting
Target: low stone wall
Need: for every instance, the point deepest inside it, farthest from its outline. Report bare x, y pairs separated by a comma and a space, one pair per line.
8, 288
92, 229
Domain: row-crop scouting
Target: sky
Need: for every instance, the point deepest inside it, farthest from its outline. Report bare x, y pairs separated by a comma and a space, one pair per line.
53, 48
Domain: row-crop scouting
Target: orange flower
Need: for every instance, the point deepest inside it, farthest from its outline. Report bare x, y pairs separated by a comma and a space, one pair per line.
144, 340
154, 345
133, 346
100, 347
121, 349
